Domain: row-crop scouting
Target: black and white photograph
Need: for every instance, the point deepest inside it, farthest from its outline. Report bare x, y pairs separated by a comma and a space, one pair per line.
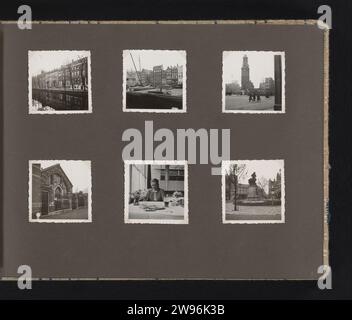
59, 82
253, 82
60, 191
253, 191
154, 80
156, 192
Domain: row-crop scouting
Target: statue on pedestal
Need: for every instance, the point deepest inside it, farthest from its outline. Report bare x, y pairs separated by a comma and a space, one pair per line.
252, 181
253, 188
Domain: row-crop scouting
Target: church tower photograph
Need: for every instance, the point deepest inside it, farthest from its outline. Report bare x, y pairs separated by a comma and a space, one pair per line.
253, 82
245, 80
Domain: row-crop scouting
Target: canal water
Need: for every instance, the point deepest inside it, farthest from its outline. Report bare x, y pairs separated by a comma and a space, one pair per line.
44, 99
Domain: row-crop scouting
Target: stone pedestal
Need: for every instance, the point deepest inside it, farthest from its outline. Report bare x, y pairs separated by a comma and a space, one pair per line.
252, 193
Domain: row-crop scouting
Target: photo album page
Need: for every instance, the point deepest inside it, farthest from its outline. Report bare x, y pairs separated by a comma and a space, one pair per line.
164, 150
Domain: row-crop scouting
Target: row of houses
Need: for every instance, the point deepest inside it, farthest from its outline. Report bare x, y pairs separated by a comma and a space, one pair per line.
72, 76
266, 87
172, 75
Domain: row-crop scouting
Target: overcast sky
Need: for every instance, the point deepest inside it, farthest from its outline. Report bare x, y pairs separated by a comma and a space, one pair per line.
151, 58
50, 60
261, 65
78, 172
263, 169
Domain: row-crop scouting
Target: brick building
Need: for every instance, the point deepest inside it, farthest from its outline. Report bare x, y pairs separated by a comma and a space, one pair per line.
172, 75
268, 86
275, 187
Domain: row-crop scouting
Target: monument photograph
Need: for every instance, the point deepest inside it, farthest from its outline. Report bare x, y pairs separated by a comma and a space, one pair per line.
253, 82
154, 80
59, 82
156, 192
253, 191
60, 191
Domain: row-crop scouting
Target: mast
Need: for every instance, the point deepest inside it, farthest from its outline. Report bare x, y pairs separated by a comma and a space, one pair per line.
140, 82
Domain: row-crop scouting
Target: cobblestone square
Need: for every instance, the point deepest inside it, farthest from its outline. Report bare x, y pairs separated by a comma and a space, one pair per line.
238, 102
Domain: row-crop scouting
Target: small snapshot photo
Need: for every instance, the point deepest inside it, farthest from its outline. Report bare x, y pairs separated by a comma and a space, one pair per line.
60, 191
154, 80
156, 192
59, 82
253, 82
253, 191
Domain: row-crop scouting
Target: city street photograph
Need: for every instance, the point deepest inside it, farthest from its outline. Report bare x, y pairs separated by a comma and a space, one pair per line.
253, 82
156, 192
60, 191
59, 82
154, 80
253, 191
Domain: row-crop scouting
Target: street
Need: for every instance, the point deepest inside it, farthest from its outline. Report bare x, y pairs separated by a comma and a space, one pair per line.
81, 213
235, 102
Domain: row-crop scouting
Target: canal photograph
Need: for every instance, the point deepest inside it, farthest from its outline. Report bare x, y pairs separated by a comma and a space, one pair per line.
154, 81
59, 82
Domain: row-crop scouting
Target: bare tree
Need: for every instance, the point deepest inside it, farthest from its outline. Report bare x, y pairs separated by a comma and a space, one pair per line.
235, 173
262, 182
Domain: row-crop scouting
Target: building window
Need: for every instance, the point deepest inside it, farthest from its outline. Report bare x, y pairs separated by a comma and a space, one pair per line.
174, 175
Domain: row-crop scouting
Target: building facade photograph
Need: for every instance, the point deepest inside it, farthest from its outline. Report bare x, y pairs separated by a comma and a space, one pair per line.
59, 81
154, 80
54, 196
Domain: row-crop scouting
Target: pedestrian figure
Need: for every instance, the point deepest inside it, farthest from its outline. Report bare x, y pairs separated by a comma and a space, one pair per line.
258, 97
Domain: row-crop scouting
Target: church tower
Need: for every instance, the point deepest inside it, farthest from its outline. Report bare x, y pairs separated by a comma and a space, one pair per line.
245, 73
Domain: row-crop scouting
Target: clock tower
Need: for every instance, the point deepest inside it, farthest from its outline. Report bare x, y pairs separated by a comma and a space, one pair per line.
245, 82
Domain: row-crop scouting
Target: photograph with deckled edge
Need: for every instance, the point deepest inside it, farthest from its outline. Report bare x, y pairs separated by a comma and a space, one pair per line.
154, 81
253, 191
156, 192
253, 82
59, 82
60, 191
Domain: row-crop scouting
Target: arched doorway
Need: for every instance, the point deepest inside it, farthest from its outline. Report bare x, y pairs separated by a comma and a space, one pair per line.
58, 198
